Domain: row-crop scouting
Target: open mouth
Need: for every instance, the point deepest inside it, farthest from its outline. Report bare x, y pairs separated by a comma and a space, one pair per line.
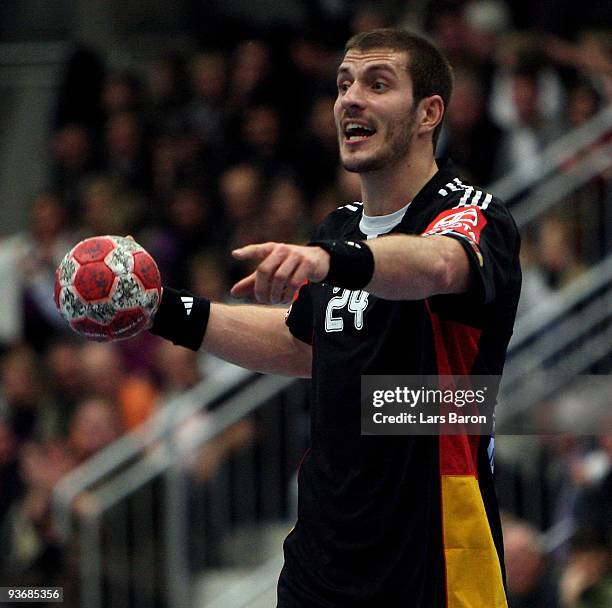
354, 132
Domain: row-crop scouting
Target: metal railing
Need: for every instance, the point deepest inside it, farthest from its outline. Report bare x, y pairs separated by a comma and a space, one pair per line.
161, 451
555, 156
558, 186
134, 444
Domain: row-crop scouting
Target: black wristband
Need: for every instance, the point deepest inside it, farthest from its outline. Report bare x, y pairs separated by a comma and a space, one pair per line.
351, 263
181, 318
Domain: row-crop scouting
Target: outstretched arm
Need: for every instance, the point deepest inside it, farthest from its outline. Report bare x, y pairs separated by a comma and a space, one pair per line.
405, 268
416, 267
256, 337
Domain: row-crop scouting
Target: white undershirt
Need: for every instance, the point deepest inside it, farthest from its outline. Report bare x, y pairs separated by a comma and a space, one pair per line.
373, 225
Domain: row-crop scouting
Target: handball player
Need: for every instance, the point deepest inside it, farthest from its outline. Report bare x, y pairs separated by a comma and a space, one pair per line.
421, 276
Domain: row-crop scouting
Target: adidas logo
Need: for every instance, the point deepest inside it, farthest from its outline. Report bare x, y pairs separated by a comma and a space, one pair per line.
187, 303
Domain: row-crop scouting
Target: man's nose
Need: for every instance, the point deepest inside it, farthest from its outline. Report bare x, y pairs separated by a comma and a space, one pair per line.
353, 97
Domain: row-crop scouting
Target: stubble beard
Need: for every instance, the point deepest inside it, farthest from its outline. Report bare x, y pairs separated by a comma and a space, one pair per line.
396, 147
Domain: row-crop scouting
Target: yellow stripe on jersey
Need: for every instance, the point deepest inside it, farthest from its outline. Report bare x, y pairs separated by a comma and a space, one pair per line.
473, 572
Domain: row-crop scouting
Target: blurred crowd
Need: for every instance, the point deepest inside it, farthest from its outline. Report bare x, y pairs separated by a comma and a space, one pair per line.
234, 142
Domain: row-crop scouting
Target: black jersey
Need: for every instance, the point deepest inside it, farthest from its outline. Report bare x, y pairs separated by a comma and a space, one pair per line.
407, 521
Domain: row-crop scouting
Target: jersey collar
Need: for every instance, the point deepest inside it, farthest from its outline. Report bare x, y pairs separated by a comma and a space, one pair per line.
373, 225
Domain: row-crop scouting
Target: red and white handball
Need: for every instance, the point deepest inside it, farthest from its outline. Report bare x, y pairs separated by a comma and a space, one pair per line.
107, 288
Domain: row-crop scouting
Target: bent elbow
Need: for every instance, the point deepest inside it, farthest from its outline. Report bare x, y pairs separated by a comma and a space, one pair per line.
442, 275
451, 269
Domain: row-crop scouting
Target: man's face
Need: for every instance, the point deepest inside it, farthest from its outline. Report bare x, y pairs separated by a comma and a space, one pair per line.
374, 110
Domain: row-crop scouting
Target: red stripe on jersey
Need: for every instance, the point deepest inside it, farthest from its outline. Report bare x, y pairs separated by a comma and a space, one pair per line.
456, 350
295, 297
465, 222
297, 291
456, 347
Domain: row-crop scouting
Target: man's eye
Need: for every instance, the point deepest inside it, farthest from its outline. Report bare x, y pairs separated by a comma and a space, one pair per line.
343, 87
379, 85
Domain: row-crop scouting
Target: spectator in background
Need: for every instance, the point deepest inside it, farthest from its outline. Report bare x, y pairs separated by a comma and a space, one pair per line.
11, 484
250, 76
586, 581
370, 15
177, 368
470, 138
582, 105
189, 216
108, 207
42, 248
24, 402
72, 159
550, 258
94, 425
315, 156
121, 92
241, 188
285, 217
205, 109
312, 68
133, 395
594, 502
594, 57
487, 22
557, 255
590, 57
79, 97
260, 140
32, 554
532, 128
208, 275
164, 91
126, 151
179, 157
67, 383
445, 22
531, 582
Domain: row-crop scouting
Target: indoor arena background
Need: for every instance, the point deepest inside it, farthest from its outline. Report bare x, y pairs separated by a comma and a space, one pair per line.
139, 474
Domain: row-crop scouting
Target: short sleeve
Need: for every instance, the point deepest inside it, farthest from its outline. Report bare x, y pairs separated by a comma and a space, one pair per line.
490, 238
299, 318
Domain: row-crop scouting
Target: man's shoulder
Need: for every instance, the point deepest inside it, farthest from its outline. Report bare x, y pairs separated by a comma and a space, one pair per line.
458, 193
340, 220
457, 196
448, 190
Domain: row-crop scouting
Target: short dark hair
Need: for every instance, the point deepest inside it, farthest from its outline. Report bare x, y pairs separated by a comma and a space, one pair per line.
429, 69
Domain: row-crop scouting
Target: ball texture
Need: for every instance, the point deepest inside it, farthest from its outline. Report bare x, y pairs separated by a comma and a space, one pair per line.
107, 288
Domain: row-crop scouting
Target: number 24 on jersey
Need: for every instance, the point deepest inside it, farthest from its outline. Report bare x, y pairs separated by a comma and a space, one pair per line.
356, 301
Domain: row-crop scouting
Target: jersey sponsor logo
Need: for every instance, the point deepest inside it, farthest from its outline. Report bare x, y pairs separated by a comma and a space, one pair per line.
355, 301
467, 223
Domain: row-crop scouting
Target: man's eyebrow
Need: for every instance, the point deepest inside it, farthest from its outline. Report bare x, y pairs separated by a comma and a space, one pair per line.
376, 67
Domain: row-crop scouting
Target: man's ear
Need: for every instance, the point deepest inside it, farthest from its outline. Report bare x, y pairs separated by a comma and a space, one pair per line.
431, 113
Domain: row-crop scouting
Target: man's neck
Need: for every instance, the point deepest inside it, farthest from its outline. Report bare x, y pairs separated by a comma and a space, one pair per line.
390, 189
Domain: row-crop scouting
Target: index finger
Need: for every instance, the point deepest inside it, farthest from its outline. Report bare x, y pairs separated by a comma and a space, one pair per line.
254, 252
